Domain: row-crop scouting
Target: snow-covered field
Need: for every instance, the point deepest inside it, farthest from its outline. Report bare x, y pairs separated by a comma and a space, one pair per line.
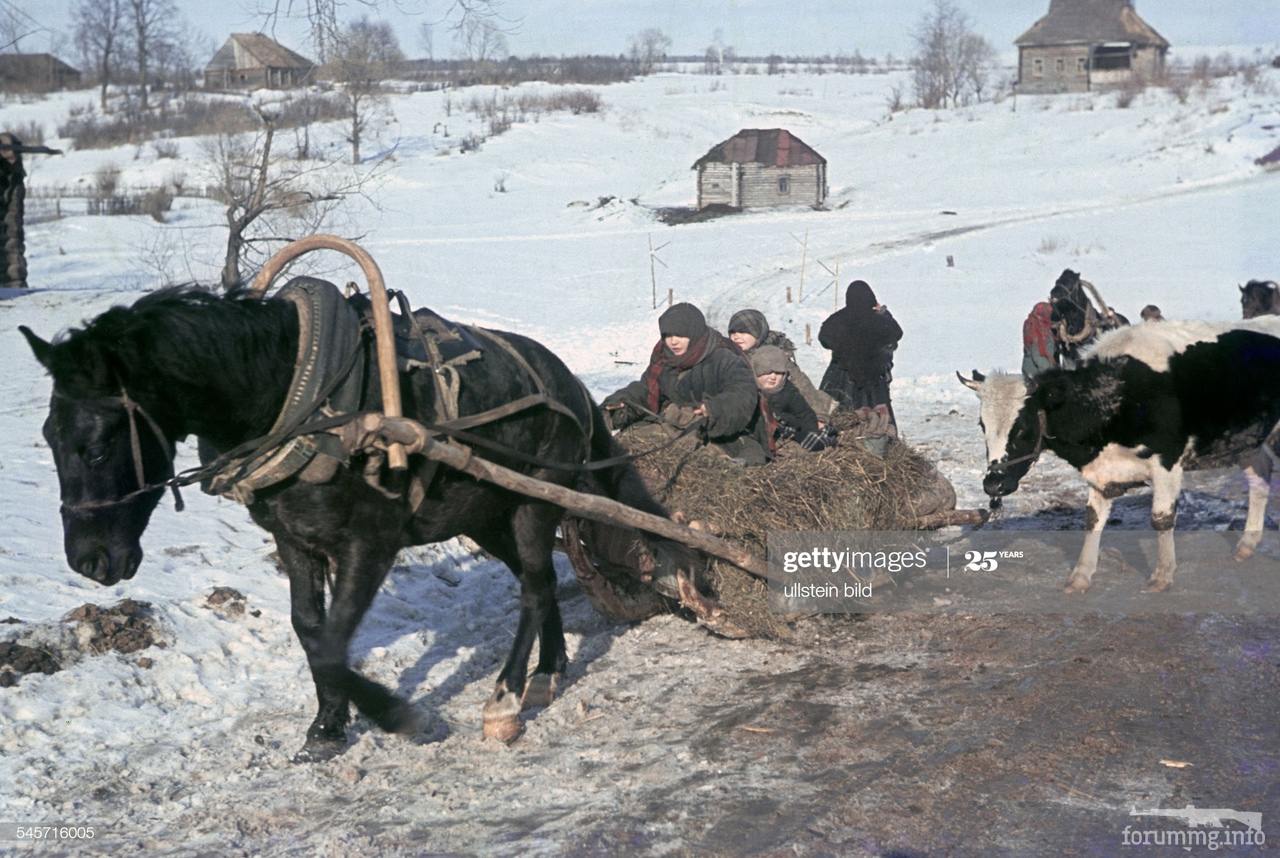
1157, 203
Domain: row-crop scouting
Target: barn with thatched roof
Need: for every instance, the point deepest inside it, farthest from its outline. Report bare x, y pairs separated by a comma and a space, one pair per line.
761, 167
36, 73
254, 61
1082, 45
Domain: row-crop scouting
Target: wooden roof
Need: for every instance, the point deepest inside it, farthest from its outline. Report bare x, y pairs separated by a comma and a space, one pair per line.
1090, 22
33, 66
255, 51
774, 147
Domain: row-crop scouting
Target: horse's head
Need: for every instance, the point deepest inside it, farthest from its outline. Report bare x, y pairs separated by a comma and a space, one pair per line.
1068, 299
1012, 431
106, 449
1259, 298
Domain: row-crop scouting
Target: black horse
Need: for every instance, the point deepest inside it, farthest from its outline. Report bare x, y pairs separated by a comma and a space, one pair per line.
1260, 298
1076, 322
183, 361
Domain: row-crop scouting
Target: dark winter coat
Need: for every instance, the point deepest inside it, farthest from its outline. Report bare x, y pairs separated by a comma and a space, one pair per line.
722, 380
861, 339
789, 408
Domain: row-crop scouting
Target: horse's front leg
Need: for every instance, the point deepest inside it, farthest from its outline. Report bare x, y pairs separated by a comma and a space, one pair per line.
1099, 507
327, 735
1166, 485
326, 638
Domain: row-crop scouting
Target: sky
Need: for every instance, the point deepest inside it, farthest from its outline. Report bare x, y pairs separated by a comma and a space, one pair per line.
751, 27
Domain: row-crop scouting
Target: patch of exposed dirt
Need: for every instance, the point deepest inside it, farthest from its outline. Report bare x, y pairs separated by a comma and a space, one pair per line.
125, 627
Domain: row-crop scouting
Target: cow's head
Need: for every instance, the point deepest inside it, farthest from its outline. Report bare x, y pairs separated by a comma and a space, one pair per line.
1012, 430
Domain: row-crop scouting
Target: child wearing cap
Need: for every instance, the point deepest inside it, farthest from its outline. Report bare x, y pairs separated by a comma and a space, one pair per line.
794, 416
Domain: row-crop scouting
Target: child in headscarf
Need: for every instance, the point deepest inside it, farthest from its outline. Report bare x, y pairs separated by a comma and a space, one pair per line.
792, 415
749, 330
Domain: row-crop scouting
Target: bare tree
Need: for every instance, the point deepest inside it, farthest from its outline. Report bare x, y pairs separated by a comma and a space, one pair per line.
268, 198
648, 47
426, 39
99, 35
952, 61
151, 23
323, 15
16, 25
482, 41
363, 57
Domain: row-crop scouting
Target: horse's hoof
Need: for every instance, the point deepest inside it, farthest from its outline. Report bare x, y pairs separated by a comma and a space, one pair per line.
400, 718
505, 730
502, 716
1244, 552
1076, 584
318, 750
1157, 585
540, 690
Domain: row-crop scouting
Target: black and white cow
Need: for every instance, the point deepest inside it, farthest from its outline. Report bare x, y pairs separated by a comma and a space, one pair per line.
1147, 403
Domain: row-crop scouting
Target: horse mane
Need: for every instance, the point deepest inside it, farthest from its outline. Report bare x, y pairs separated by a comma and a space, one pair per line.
240, 332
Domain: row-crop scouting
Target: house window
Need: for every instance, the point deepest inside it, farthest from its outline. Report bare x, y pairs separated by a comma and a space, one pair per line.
784, 184
1037, 67
1060, 65
1080, 64
1111, 57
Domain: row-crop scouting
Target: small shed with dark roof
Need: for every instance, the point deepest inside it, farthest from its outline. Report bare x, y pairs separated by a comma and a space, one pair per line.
761, 167
1088, 44
36, 73
254, 61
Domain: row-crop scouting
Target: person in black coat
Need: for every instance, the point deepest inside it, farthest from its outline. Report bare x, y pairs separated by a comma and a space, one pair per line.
862, 338
696, 374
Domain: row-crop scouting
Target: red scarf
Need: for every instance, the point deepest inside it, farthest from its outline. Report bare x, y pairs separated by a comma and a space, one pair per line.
661, 358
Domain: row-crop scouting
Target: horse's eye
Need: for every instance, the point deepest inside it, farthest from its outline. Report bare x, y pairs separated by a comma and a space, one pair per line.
96, 455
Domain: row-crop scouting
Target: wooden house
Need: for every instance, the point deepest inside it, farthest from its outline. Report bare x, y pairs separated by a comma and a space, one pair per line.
1081, 45
254, 61
761, 167
36, 73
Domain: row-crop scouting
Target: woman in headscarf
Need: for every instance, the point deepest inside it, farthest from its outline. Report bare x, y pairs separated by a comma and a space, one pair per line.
749, 330
861, 337
1039, 348
696, 374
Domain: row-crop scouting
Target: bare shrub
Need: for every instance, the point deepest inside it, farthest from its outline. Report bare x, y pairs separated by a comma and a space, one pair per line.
471, 143
30, 132
157, 202
191, 116
1179, 86
895, 101
167, 148
1131, 89
1049, 244
106, 179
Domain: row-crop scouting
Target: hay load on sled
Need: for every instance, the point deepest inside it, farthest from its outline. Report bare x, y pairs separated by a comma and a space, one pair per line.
870, 481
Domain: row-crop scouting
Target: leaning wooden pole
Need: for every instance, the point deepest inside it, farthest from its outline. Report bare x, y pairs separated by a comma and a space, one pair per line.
388, 376
459, 457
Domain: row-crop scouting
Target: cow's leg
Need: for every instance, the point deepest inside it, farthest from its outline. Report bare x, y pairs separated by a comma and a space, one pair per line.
1166, 485
526, 549
1258, 475
1099, 507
